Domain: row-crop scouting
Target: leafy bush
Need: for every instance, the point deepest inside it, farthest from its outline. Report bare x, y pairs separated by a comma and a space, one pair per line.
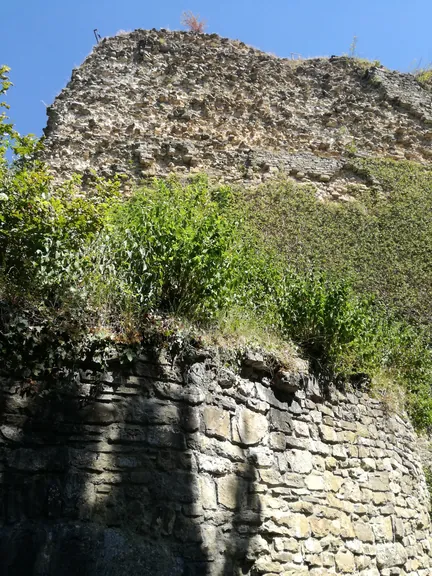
38, 219
188, 250
43, 231
178, 249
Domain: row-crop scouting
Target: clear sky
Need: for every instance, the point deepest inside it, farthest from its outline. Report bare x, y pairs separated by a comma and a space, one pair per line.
42, 40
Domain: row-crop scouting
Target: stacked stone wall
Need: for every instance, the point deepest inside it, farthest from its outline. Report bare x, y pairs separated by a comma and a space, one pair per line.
191, 469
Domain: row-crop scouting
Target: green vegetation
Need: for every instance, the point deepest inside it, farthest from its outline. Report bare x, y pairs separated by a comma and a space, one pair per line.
382, 242
365, 64
424, 76
353, 47
83, 276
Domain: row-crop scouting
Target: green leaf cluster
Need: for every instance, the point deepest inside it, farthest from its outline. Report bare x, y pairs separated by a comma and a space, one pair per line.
178, 248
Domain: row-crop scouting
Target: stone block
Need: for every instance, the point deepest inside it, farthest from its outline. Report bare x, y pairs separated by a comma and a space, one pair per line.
190, 419
328, 559
257, 546
165, 437
191, 394
261, 457
332, 483
100, 413
296, 407
147, 411
302, 506
379, 482
266, 394
221, 449
271, 477
316, 416
297, 524
382, 528
47, 459
343, 526
212, 464
355, 546
277, 441
249, 427
390, 555
345, 562
398, 528
231, 491
301, 428
318, 447
217, 422
340, 452
312, 546
279, 420
363, 562
300, 461
207, 490
265, 565
320, 527
288, 382
328, 434
364, 532
226, 378
300, 443
315, 482
369, 464
286, 544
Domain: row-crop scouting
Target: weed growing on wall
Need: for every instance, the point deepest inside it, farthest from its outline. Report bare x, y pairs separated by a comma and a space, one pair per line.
424, 76
193, 23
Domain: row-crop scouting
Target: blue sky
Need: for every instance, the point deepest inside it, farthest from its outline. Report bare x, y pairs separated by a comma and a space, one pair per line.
42, 40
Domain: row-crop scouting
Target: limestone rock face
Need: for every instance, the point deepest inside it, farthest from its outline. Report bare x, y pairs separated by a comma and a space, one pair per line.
153, 102
170, 472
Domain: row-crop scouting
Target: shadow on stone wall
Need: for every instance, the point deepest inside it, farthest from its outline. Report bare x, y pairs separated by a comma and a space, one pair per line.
241, 550
112, 485
46, 510
186, 468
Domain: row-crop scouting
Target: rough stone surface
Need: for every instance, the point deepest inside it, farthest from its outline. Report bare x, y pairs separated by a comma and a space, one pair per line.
172, 475
249, 427
148, 103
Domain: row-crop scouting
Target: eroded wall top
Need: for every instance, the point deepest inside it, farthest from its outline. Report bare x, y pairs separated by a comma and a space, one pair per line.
152, 102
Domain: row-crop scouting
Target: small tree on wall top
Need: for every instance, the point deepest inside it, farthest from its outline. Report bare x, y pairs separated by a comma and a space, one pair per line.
193, 23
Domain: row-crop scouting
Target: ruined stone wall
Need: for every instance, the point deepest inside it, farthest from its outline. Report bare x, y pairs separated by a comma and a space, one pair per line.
153, 102
187, 468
